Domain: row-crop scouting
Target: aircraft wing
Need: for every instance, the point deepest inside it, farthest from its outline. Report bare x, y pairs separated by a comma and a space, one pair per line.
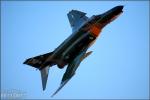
72, 67
76, 19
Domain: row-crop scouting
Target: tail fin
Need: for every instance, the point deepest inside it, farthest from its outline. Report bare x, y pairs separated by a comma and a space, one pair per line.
44, 76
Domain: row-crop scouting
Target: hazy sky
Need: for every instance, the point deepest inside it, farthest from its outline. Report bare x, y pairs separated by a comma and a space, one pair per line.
117, 69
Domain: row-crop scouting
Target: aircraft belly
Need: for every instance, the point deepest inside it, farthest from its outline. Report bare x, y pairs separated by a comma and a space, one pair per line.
74, 48
62, 47
60, 59
71, 47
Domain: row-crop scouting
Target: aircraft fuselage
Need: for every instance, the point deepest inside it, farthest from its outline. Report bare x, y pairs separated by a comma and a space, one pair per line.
84, 36
73, 50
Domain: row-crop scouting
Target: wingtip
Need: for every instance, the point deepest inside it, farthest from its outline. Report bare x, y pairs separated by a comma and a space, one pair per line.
61, 85
53, 95
55, 92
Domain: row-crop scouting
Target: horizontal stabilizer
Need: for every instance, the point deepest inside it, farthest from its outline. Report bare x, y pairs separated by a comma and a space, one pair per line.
44, 76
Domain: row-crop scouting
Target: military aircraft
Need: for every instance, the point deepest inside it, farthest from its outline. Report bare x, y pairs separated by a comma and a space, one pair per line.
74, 49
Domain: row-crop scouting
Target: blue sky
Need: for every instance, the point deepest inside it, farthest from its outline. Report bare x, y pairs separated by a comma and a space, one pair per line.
117, 69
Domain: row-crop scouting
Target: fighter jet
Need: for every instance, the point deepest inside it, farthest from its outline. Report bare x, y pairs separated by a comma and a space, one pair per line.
74, 49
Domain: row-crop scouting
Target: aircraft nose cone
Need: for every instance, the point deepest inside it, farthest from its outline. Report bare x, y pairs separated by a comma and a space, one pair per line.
120, 7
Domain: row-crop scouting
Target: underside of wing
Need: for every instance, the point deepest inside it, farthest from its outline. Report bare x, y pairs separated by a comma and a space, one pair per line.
72, 67
76, 19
